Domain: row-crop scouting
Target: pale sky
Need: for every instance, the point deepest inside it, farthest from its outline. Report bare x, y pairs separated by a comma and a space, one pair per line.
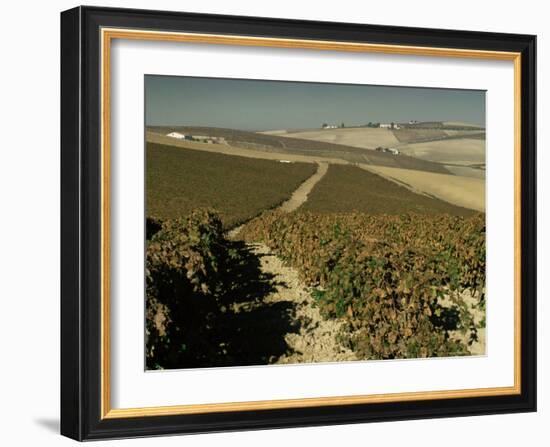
266, 105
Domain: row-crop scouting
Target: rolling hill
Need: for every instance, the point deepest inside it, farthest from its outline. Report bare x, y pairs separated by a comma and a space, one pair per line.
347, 189
303, 147
180, 180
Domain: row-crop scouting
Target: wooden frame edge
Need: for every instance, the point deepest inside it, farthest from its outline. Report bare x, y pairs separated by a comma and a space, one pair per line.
305, 403
106, 36
517, 221
105, 43
325, 45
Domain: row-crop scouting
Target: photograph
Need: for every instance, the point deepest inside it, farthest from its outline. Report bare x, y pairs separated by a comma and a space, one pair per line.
296, 222
270, 222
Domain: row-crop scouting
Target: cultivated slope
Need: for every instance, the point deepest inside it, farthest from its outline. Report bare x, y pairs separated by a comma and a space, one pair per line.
274, 144
346, 189
180, 180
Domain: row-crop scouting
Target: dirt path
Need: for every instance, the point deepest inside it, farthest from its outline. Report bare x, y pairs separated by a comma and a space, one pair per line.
297, 199
300, 195
302, 335
314, 338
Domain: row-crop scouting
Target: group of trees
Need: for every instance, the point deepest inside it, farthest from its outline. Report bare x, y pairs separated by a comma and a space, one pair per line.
377, 125
325, 125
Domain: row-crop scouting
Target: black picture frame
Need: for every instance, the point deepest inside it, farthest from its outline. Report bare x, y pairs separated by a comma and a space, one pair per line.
81, 392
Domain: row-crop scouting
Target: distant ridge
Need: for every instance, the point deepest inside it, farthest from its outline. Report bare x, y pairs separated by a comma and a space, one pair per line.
288, 145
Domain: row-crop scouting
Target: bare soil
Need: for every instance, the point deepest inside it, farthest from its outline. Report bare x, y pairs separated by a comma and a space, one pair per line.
463, 151
296, 149
477, 346
314, 339
300, 195
467, 192
240, 151
367, 138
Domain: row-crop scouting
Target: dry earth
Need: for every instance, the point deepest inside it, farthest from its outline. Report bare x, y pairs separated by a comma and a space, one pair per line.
300, 195
464, 151
459, 124
316, 339
463, 191
367, 138
465, 133
478, 347
465, 171
238, 151
332, 153
274, 132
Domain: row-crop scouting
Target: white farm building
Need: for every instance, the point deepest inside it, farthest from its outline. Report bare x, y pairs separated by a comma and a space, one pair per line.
197, 138
177, 135
389, 126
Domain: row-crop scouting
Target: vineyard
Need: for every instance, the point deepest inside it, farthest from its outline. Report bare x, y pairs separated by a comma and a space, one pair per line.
399, 282
400, 275
205, 298
180, 180
350, 188
184, 271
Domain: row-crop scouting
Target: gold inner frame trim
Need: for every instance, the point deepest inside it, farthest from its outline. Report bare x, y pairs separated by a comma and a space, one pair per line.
107, 35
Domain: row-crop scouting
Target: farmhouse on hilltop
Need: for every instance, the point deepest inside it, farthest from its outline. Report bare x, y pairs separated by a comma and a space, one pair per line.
389, 126
198, 138
177, 135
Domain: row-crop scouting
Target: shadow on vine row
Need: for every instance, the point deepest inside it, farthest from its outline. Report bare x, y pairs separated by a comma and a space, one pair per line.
236, 328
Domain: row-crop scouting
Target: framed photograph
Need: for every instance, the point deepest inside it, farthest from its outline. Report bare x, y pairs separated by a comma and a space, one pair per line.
276, 223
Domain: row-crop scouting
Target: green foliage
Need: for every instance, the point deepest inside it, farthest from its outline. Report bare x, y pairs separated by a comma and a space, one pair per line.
349, 188
396, 280
239, 188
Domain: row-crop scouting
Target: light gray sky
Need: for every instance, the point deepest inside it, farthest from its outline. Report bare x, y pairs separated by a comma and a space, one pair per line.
266, 105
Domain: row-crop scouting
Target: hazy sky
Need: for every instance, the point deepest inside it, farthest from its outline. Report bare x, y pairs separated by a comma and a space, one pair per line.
265, 105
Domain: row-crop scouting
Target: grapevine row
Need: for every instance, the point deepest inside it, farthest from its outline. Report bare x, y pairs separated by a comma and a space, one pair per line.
397, 281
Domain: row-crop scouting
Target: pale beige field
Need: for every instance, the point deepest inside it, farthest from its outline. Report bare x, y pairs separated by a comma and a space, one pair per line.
463, 191
359, 137
465, 171
463, 151
459, 124
465, 133
275, 132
